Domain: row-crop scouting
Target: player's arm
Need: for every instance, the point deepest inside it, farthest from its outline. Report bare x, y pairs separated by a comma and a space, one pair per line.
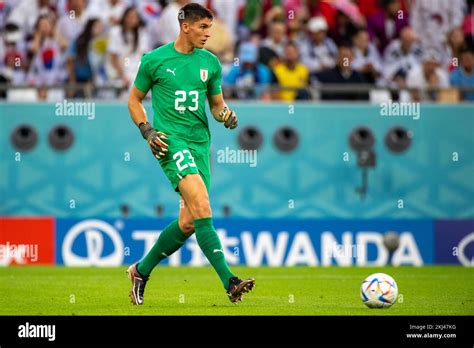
138, 113
135, 106
221, 111
219, 108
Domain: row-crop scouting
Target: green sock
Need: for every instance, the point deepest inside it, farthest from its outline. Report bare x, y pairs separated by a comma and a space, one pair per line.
170, 240
210, 244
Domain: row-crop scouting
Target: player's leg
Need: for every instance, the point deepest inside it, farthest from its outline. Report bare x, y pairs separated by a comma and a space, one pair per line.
196, 197
185, 219
170, 240
172, 237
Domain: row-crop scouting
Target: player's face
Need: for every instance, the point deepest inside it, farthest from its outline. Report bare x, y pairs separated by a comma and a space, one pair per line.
199, 32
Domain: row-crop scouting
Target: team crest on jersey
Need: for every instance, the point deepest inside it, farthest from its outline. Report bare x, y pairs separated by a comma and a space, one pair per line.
204, 75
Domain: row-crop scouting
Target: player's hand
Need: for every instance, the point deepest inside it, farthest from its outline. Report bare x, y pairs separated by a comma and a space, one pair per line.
229, 118
155, 140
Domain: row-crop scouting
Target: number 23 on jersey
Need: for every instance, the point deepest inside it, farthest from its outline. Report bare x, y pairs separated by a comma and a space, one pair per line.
182, 96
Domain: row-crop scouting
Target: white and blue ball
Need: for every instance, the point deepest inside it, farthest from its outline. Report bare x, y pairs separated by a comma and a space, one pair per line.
379, 290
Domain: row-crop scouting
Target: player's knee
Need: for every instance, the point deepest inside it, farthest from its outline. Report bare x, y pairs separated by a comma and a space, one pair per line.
187, 227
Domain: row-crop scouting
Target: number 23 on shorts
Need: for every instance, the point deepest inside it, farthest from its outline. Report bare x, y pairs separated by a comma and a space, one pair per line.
186, 156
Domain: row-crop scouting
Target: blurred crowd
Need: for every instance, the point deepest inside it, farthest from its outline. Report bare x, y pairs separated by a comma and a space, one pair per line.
419, 45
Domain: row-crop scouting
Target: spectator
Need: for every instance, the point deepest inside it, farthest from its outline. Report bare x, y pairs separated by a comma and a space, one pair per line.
251, 78
386, 25
71, 24
455, 43
221, 43
426, 76
468, 25
25, 15
13, 60
13, 36
351, 10
342, 73
271, 60
366, 57
369, 7
252, 17
297, 21
432, 20
322, 8
463, 76
126, 44
268, 57
256, 16
276, 40
85, 56
47, 50
166, 28
6, 7
227, 12
292, 74
149, 10
400, 56
109, 11
344, 29
318, 52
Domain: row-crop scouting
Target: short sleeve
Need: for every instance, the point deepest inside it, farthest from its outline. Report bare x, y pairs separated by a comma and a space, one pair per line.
143, 79
214, 85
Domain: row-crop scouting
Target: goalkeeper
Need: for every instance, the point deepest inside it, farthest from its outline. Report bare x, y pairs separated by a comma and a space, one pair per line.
181, 75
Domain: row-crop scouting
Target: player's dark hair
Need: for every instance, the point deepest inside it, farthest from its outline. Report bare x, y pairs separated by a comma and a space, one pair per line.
193, 12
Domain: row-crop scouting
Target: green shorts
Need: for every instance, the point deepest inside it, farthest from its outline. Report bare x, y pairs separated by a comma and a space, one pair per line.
183, 158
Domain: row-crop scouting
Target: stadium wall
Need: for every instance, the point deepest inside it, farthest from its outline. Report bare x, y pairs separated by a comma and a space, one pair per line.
286, 209
109, 165
270, 242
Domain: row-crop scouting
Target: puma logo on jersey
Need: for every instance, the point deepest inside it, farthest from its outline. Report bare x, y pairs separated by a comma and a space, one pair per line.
218, 251
171, 71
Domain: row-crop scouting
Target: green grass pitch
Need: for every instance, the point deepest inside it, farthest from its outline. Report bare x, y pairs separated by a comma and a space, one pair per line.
37, 290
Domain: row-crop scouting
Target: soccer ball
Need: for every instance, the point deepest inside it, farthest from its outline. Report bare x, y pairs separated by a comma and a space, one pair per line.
379, 290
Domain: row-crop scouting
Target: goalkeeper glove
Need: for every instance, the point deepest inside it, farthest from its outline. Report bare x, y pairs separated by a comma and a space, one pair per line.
229, 118
154, 138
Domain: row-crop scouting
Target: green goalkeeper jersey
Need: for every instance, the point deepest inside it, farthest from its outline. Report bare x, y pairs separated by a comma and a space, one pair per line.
180, 84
